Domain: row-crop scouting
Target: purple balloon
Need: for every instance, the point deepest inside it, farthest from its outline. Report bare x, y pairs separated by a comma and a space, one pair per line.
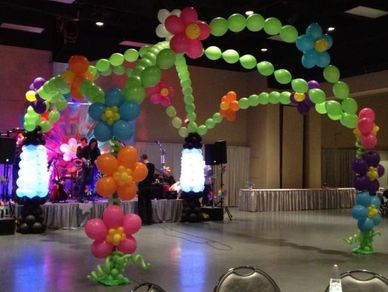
302, 108
313, 84
308, 102
380, 170
359, 166
39, 107
373, 186
361, 182
292, 99
372, 158
32, 87
38, 82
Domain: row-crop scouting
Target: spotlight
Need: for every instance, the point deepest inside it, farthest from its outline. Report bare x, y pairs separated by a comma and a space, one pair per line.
249, 12
331, 28
99, 23
263, 50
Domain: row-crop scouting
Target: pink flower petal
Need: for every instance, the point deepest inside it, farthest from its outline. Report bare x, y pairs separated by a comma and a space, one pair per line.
72, 142
155, 99
96, 229
194, 49
165, 101
152, 90
128, 245
174, 24
189, 15
179, 43
68, 156
65, 148
101, 249
205, 30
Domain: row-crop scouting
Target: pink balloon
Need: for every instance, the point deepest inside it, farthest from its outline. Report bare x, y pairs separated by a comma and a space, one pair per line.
189, 15
205, 30
367, 113
96, 229
368, 141
194, 49
165, 101
174, 24
365, 125
131, 224
101, 249
178, 43
128, 245
113, 216
155, 98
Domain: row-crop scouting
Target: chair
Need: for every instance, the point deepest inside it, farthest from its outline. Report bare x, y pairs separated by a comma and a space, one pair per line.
247, 279
362, 281
148, 287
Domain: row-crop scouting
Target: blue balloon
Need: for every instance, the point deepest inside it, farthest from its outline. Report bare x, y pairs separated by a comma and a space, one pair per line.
377, 220
359, 212
366, 225
123, 130
304, 43
314, 30
376, 201
323, 60
363, 199
129, 110
114, 97
328, 39
309, 59
96, 111
102, 132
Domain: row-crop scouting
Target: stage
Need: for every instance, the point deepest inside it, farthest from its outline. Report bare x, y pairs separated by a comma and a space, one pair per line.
258, 200
75, 215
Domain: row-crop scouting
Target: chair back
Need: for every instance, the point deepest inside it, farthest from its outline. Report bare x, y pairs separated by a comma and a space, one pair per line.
247, 279
363, 281
148, 287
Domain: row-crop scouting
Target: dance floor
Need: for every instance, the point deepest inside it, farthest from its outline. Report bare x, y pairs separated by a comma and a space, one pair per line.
296, 248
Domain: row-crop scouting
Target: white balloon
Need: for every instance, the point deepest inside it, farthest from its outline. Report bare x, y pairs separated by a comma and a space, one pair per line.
161, 31
163, 14
176, 12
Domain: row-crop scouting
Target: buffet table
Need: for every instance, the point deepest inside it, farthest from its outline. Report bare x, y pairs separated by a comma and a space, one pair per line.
74, 215
257, 200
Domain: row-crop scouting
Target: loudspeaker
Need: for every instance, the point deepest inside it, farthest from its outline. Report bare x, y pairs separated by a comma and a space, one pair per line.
7, 150
220, 152
210, 154
7, 226
214, 213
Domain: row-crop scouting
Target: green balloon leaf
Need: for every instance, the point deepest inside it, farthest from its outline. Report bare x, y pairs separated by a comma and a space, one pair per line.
171, 111
299, 85
255, 22
176, 122
331, 74
230, 56
317, 95
284, 97
217, 118
321, 108
289, 34
243, 103
213, 53
218, 26
116, 59
341, 90
210, 123
272, 26
202, 130
131, 55
263, 98
349, 120
349, 105
183, 132
283, 76
265, 68
103, 65
236, 22
274, 97
253, 100
248, 62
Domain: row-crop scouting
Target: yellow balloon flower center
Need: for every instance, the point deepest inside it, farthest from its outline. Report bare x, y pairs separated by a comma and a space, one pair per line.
164, 92
357, 132
115, 236
299, 96
375, 129
193, 31
111, 115
372, 173
372, 211
122, 175
321, 45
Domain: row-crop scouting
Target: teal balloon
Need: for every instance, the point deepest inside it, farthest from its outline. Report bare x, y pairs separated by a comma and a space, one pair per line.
255, 22
218, 26
96, 110
213, 53
349, 105
331, 74
263, 98
150, 76
359, 212
253, 100
129, 111
114, 96
299, 85
236, 22
314, 30
364, 199
272, 26
123, 130
230, 56
102, 132
284, 97
349, 120
243, 103
288, 34
317, 95
131, 55
274, 97
165, 59
265, 68
341, 90
283, 76
248, 61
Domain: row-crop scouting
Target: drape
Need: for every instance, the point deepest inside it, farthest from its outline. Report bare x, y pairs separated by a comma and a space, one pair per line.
337, 167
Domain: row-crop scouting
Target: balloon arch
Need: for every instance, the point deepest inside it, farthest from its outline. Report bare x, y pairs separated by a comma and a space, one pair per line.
116, 109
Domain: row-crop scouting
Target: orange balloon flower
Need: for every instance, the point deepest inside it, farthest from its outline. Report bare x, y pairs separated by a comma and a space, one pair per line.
120, 173
229, 106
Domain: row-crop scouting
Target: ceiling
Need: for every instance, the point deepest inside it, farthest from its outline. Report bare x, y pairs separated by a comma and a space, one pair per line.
360, 43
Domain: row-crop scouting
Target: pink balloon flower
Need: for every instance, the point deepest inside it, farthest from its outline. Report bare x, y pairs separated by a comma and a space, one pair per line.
161, 93
69, 150
188, 32
113, 231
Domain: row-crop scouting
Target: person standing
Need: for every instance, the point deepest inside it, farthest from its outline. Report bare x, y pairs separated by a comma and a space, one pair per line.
145, 192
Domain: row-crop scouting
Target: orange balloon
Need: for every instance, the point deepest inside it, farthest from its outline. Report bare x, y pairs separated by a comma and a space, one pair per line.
78, 64
234, 106
127, 157
88, 75
231, 95
107, 163
106, 186
68, 76
127, 192
223, 98
140, 172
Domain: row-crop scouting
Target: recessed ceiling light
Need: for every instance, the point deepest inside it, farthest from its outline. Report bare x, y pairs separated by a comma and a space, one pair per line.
133, 44
263, 49
331, 28
367, 12
99, 23
249, 12
27, 28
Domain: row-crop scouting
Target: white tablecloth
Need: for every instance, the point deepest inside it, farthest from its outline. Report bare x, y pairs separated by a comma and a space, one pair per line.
257, 200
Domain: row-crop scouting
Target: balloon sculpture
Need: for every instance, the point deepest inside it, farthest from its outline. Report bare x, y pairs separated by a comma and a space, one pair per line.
183, 35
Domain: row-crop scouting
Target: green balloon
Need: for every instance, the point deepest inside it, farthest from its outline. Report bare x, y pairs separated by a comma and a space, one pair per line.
30, 110
45, 125
217, 118
283, 76
230, 56
54, 116
183, 132
188, 99
321, 108
253, 100
151, 56
255, 22
171, 111
202, 130
349, 120
136, 72
165, 59
103, 65
213, 53
119, 70
176, 122
210, 123
334, 109
188, 91
317, 95
61, 104
150, 76
107, 73
299, 85
218, 26
192, 116
265, 68
145, 63
349, 105
43, 93
331, 74
274, 97
243, 103
236, 22
190, 108
341, 90
284, 97
248, 62
289, 34
334, 117
143, 50
29, 126
133, 81
263, 98
131, 55
192, 127
136, 94
61, 85
116, 59
272, 26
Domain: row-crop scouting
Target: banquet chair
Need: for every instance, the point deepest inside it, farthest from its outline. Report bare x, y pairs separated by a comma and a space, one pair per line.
148, 287
247, 279
363, 281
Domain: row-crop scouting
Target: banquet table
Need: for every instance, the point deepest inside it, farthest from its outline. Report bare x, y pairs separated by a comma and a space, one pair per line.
258, 200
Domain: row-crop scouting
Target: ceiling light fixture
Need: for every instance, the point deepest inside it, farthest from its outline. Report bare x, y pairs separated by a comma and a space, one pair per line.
263, 50
99, 23
26, 28
249, 12
367, 12
331, 28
